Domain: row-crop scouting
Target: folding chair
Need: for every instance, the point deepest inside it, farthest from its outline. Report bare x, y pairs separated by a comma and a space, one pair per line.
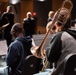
31, 65
68, 66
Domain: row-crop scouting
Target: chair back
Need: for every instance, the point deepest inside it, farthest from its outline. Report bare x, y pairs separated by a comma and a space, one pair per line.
31, 65
67, 67
70, 65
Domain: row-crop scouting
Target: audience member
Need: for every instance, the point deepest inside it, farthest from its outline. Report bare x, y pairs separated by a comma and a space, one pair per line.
50, 16
17, 50
8, 17
63, 42
29, 24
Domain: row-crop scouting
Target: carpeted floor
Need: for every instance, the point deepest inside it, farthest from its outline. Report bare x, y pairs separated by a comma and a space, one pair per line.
3, 51
2, 61
3, 47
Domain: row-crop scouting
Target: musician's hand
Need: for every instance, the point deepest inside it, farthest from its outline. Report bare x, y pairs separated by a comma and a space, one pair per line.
48, 26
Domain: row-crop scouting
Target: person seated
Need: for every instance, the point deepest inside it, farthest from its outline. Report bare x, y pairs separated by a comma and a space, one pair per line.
17, 50
50, 16
63, 42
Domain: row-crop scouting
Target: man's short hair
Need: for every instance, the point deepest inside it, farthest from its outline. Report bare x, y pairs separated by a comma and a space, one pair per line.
17, 27
29, 14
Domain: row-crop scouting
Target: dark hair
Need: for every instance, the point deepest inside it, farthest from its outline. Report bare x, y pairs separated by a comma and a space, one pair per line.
17, 27
68, 24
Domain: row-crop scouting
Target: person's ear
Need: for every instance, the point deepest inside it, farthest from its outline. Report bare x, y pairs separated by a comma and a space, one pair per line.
12, 32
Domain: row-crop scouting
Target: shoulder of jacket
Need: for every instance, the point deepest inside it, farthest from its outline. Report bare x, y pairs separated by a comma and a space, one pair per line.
24, 19
32, 18
12, 13
5, 13
59, 33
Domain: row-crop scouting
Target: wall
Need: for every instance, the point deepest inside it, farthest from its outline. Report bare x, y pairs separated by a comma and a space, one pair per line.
3, 7
3, 0
42, 9
56, 4
26, 6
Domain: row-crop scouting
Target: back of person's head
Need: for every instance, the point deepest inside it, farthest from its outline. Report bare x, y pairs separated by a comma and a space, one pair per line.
29, 14
64, 19
16, 29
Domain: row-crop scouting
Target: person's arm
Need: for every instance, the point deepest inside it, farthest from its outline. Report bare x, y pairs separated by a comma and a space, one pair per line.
24, 24
11, 57
4, 18
48, 26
